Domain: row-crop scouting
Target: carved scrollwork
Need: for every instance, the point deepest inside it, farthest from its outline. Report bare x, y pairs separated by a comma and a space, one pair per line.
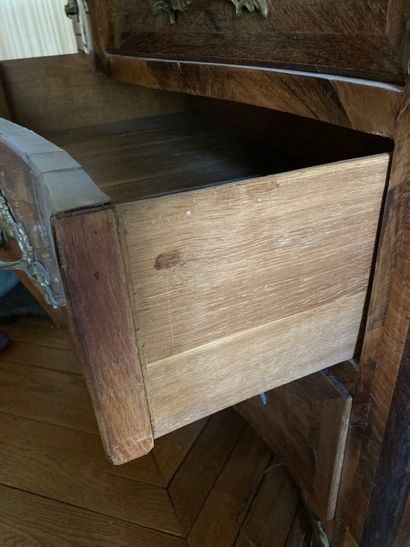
172, 7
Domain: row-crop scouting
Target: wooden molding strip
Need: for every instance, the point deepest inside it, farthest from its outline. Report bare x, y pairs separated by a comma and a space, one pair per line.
358, 104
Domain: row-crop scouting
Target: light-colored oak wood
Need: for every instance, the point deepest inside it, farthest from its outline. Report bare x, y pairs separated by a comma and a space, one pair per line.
201, 381
264, 279
62, 491
214, 262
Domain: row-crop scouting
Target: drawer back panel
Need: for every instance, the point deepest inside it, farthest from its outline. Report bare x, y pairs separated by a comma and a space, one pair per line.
242, 287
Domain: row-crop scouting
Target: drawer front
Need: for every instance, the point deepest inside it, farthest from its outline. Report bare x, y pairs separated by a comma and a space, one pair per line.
243, 287
335, 36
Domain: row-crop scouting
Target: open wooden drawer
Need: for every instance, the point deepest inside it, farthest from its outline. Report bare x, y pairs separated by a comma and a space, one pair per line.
192, 266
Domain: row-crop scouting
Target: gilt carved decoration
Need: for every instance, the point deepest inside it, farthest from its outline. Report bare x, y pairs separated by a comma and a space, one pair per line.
172, 7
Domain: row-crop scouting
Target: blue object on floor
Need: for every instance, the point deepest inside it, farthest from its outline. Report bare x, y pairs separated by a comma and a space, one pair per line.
7, 282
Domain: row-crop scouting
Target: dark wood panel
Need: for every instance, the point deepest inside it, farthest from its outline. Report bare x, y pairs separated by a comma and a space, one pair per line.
311, 141
358, 105
391, 491
97, 299
306, 422
384, 341
333, 36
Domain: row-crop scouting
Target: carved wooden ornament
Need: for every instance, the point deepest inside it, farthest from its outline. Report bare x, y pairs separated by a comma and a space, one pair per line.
174, 6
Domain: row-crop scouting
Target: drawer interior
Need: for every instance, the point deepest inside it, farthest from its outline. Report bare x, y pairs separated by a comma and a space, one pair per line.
248, 238
214, 142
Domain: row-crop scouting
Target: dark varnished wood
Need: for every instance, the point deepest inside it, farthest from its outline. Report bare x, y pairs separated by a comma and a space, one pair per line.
391, 490
357, 105
305, 423
97, 300
384, 340
334, 36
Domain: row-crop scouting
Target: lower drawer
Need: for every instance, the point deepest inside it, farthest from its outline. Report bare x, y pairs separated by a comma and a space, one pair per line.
242, 269
306, 424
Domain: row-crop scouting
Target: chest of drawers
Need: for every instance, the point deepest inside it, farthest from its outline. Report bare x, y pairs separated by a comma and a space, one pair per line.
253, 238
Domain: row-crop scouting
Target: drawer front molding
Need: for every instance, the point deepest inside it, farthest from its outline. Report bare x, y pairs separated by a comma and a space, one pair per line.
172, 7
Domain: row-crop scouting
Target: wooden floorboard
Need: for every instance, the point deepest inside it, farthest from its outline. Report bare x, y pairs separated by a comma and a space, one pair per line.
170, 451
46, 395
262, 526
219, 521
33, 355
197, 475
58, 463
27, 520
202, 485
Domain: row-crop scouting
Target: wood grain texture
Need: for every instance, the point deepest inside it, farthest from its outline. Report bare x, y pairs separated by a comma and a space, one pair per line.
206, 314
36, 383
68, 466
358, 105
62, 491
197, 475
166, 154
327, 36
29, 519
390, 494
216, 527
48, 358
171, 450
97, 299
305, 423
313, 142
218, 260
385, 337
240, 366
61, 92
264, 527
39, 394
